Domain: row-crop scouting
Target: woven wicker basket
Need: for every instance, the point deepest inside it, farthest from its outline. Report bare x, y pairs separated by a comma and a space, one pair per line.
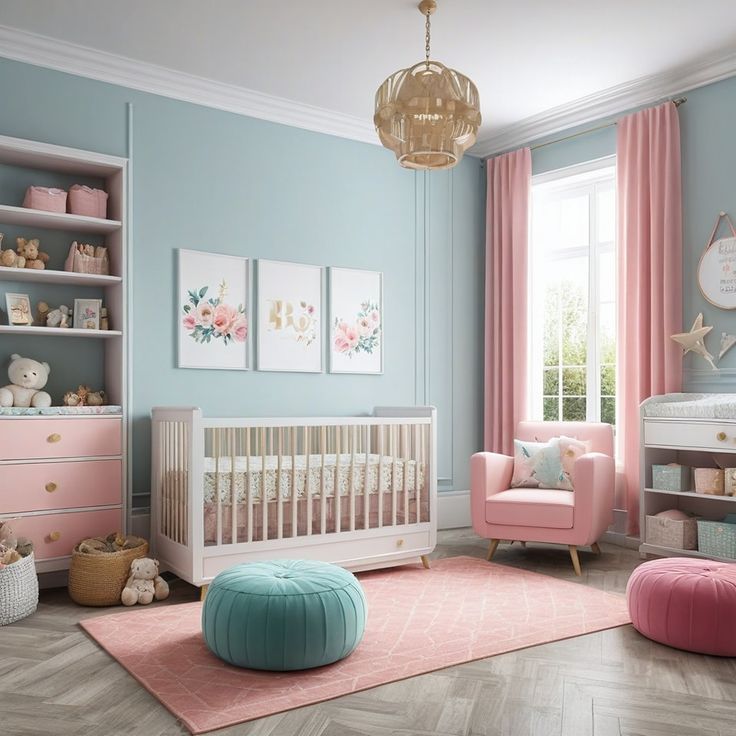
98, 580
18, 590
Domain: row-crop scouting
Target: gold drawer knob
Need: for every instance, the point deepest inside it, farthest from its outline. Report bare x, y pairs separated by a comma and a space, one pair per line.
53, 438
55, 536
721, 436
51, 487
399, 542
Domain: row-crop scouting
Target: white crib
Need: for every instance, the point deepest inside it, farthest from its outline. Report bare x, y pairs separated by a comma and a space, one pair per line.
357, 491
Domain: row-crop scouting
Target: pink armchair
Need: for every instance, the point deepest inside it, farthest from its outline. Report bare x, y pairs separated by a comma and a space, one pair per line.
576, 519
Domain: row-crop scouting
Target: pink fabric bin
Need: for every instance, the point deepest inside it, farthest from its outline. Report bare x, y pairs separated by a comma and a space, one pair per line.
685, 603
86, 201
45, 198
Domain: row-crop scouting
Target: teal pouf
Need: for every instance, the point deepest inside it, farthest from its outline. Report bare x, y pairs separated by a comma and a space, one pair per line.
283, 615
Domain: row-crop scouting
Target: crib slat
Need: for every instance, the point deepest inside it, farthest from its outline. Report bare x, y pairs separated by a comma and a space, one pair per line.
394, 450
248, 492
279, 495
417, 455
366, 481
233, 494
264, 500
323, 501
336, 490
216, 450
405, 456
307, 480
352, 477
380, 428
293, 482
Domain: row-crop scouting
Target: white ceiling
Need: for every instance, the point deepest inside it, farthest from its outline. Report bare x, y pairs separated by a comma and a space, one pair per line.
526, 56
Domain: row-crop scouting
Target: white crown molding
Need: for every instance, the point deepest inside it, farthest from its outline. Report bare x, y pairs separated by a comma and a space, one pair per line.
66, 57
608, 102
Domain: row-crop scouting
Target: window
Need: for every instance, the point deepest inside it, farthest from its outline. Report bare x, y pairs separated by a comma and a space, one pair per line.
573, 294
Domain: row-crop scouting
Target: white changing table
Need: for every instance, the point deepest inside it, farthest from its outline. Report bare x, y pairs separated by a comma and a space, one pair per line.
691, 429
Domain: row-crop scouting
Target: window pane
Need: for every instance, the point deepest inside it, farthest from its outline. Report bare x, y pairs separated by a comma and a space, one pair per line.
573, 382
608, 380
551, 336
574, 409
551, 410
572, 285
607, 334
606, 216
551, 380
607, 277
608, 409
574, 228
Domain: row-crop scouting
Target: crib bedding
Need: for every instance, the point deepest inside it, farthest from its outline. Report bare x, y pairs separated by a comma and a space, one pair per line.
342, 472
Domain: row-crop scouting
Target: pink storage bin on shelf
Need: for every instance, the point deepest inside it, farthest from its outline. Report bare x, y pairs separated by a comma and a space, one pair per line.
86, 201
45, 198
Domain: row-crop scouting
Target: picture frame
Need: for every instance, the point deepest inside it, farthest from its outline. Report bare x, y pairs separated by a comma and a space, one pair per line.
290, 308
87, 314
213, 311
19, 309
356, 317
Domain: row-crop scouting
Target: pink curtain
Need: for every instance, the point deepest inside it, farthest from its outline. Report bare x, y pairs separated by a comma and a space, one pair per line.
507, 237
650, 275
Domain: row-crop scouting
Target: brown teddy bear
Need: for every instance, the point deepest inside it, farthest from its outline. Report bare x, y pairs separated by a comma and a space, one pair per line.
28, 250
9, 258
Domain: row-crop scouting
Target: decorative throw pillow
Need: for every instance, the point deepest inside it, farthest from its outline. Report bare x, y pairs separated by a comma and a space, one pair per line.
537, 464
570, 450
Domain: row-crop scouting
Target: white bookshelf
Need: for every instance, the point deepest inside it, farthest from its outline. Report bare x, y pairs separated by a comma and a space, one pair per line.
113, 346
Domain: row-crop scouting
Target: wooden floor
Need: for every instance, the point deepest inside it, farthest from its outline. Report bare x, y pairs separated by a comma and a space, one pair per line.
55, 680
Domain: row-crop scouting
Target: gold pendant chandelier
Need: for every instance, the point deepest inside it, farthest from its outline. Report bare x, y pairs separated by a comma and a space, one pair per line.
428, 115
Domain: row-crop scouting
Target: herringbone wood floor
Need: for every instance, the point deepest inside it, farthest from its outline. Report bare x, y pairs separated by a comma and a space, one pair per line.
54, 680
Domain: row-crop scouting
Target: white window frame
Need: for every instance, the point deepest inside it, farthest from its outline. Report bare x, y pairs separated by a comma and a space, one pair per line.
590, 177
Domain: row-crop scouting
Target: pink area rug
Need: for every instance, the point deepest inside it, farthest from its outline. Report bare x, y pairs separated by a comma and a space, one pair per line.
418, 621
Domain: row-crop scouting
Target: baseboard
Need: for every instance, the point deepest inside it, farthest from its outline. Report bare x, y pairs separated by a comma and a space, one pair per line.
55, 579
453, 510
622, 540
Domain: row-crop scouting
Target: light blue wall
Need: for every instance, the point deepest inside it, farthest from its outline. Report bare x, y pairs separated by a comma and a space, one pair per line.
210, 180
708, 173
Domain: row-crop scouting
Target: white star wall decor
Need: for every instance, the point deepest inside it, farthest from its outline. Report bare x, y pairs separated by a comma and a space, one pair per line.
727, 342
693, 341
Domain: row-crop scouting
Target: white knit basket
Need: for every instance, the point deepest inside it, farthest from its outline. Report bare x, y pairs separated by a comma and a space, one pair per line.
18, 590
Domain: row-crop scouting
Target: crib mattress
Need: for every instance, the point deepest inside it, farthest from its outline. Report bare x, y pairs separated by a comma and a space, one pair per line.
340, 473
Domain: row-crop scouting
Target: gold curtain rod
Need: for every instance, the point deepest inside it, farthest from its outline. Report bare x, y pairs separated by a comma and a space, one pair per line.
679, 101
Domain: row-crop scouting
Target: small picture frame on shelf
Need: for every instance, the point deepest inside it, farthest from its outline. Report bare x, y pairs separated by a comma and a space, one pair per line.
19, 309
87, 314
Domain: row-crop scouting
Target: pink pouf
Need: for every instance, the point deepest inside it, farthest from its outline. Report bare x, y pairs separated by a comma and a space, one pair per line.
686, 603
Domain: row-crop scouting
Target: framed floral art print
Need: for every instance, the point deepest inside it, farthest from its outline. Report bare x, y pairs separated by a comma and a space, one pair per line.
212, 311
356, 321
289, 317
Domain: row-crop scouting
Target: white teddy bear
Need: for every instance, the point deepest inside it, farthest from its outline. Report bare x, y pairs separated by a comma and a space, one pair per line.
144, 583
59, 317
27, 377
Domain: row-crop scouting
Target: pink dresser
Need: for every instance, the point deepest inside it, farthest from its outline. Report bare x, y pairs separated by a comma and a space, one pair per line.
63, 477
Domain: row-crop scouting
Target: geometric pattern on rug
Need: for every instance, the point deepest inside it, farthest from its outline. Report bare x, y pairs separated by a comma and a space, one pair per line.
418, 621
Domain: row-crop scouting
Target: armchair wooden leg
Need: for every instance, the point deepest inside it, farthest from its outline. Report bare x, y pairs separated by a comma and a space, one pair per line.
492, 549
523, 544
425, 561
595, 548
575, 559
203, 592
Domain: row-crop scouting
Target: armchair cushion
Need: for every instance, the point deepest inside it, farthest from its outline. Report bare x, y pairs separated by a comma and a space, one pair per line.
531, 507
546, 464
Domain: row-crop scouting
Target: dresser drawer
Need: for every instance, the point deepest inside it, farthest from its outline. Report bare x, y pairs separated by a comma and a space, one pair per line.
696, 435
55, 535
64, 485
22, 439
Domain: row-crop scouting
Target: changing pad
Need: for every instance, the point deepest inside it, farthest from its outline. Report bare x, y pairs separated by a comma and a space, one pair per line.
691, 406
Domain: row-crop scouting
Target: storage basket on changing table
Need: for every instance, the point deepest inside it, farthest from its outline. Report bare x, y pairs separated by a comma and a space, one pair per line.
674, 533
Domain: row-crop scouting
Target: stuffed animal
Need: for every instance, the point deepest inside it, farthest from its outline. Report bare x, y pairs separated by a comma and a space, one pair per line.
59, 317
144, 583
42, 311
28, 249
96, 398
84, 396
27, 378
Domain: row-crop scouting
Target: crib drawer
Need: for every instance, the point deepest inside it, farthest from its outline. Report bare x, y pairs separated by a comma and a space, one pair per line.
31, 438
65, 485
55, 535
719, 436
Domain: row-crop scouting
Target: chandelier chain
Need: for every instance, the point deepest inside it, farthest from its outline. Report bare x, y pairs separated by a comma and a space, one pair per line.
426, 40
